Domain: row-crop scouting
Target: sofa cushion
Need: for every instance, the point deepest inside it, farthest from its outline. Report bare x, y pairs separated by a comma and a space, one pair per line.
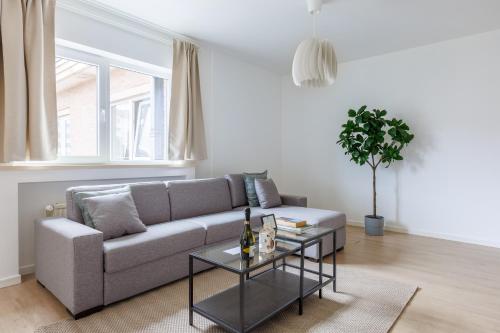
223, 226
267, 192
313, 216
73, 211
159, 240
152, 202
190, 198
249, 178
114, 215
237, 188
79, 197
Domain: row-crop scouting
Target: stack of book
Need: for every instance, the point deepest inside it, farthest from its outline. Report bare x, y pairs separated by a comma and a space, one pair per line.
294, 225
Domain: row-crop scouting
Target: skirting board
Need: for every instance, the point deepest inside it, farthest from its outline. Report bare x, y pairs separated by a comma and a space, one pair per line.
27, 269
403, 230
10, 281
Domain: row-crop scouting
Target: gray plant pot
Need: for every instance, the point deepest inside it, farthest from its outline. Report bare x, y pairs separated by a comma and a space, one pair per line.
374, 225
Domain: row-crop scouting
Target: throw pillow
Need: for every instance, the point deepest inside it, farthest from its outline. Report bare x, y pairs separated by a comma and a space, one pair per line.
267, 192
79, 196
253, 201
115, 215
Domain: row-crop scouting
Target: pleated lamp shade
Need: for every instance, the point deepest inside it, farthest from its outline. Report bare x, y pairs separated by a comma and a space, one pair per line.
314, 64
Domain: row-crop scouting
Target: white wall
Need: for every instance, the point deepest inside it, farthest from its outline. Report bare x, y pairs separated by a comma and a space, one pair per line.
242, 109
449, 95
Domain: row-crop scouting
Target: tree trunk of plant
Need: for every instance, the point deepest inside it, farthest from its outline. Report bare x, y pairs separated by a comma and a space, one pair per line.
374, 184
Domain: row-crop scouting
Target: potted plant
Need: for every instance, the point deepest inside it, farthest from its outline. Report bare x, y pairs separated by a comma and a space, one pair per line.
369, 138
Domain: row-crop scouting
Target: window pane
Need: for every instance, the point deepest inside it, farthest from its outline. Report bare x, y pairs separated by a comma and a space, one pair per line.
76, 86
144, 130
137, 115
120, 131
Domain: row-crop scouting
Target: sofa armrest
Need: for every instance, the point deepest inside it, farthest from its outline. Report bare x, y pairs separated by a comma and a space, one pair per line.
293, 200
69, 262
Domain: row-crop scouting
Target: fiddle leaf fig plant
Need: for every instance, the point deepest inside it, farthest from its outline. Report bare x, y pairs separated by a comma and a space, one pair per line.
368, 137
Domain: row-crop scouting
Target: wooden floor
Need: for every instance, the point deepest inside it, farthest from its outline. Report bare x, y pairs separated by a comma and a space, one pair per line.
459, 285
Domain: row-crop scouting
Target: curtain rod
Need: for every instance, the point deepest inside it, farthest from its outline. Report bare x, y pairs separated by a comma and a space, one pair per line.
122, 20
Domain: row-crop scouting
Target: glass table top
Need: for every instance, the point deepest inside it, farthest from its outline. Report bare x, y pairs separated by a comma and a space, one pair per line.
227, 255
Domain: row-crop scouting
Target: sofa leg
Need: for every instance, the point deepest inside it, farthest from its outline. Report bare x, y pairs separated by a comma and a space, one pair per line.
340, 249
86, 312
41, 284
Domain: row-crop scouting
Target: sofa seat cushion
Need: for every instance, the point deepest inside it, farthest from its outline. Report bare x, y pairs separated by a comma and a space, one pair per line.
313, 216
223, 226
160, 240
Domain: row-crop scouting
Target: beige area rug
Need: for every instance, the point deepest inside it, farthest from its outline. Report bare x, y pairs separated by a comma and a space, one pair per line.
363, 303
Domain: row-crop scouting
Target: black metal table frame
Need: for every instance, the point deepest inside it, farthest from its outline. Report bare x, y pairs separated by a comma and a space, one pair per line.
242, 275
318, 239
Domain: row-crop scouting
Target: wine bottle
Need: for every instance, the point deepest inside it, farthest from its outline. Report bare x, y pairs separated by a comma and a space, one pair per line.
247, 240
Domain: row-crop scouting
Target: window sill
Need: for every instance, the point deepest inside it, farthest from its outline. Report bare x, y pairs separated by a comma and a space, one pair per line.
68, 165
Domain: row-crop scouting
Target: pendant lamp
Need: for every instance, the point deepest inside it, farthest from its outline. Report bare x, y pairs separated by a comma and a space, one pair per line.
315, 62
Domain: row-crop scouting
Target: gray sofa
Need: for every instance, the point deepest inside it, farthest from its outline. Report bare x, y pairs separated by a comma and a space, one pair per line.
86, 273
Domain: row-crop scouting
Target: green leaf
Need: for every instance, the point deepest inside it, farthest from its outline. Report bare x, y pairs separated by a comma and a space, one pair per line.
369, 133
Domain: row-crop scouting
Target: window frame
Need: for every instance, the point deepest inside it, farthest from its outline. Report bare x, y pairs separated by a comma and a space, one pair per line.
104, 61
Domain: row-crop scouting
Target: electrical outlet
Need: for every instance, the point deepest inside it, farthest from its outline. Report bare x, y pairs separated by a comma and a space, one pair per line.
56, 209
60, 206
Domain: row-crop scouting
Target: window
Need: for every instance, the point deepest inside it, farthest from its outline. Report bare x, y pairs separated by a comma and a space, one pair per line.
110, 110
76, 87
64, 128
137, 108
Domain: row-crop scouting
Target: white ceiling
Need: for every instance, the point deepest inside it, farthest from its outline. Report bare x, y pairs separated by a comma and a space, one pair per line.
267, 32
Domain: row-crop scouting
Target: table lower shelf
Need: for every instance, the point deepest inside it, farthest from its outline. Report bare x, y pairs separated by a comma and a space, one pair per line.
265, 295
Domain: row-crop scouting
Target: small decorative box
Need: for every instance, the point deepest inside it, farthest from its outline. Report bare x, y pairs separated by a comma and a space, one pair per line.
267, 240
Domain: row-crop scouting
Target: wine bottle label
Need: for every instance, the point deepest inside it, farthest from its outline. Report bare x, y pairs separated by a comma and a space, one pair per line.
251, 251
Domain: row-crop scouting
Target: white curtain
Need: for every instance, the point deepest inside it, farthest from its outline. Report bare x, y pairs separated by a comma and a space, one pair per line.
28, 111
186, 129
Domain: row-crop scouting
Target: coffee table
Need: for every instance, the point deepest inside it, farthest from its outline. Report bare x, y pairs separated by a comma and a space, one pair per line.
258, 297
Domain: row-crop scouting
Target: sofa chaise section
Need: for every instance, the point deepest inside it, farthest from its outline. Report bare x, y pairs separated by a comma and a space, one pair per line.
314, 216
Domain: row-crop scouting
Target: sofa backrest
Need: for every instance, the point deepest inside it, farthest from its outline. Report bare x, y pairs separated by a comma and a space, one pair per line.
151, 200
189, 198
